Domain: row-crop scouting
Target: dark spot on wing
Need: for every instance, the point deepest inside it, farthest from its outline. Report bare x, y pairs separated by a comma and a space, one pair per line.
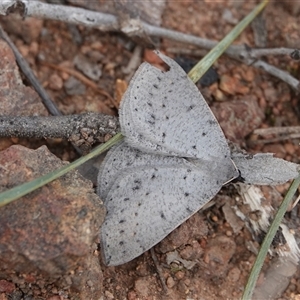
139, 204
186, 194
122, 221
194, 147
150, 104
211, 122
136, 109
184, 177
189, 170
126, 199
151, 94
121, 231
153, 176
151, 122
203, 133
121, 243
158, 147
136, 214
170, 91
167, 118
137, 87
138, 185
190, 107
188, 210
163, 106
162, 215
159, 79
155, 86
163, 135
147, 194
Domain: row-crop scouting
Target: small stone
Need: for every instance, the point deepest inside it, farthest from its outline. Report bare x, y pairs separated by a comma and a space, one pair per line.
109, 295
219, 95
55, 82
170, 282
180, 274
228, 233
234, 275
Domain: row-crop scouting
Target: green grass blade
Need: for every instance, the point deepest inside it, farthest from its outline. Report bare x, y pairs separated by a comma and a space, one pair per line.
268, 240
201, 68
25, 188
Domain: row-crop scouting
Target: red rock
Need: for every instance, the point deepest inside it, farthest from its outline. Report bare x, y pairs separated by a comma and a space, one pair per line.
15, 98
49, 233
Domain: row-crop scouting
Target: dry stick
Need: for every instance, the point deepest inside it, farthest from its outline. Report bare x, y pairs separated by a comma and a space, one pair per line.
108, 22
159, 270
287, 133
277, 130
274, 140
90, 127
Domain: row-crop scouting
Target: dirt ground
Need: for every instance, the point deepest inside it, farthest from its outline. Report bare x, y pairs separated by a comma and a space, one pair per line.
221, 255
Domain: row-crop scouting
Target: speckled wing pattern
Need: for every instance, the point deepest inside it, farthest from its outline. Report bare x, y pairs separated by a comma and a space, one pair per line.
149, 199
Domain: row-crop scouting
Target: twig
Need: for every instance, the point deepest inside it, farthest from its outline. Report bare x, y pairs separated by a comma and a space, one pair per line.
84, 130
277, 130
159, 271
108, 22
274, 140
284, 76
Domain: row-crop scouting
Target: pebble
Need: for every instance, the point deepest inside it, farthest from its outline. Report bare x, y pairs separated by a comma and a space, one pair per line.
170, 282
55, 82
234, 275
109, 295
180, 274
